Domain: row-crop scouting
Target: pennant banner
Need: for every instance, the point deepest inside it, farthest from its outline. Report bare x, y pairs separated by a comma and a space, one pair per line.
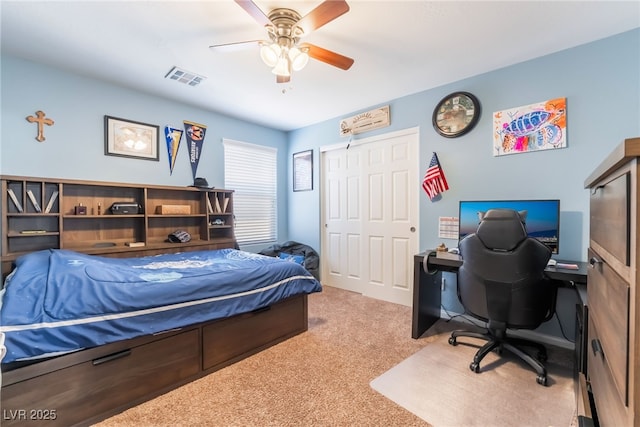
195, 137
434, 181
173, 137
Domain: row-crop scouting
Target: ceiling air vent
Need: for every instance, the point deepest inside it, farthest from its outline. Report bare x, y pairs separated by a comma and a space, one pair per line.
184, 76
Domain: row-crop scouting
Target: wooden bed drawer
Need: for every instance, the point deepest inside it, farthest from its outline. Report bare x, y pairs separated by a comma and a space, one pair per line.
226, 341
96, 387
611, 409
608, 296
609, 224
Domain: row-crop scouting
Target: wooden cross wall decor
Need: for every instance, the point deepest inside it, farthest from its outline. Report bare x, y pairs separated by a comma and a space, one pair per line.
41, 122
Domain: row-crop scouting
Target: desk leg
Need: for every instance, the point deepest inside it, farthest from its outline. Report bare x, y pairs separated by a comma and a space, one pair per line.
426, 299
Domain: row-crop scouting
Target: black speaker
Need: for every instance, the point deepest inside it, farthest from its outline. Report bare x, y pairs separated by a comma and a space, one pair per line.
125, 208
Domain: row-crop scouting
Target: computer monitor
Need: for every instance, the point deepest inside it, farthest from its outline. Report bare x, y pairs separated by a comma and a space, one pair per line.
542, 222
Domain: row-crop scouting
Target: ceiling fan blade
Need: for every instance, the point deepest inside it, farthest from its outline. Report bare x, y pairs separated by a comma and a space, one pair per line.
256, 13
323, 14
329, 57
230, 47
283, 79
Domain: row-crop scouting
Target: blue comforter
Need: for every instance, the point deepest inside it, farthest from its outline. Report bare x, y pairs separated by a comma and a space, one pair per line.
57, 301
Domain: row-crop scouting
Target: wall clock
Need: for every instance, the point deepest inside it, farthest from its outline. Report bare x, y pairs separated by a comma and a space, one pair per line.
456, 114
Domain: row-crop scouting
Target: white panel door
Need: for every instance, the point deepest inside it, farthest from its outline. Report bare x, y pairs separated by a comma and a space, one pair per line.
378, 226
341, 253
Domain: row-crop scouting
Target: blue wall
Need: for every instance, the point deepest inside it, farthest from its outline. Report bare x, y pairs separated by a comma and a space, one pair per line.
601, 82
74, 146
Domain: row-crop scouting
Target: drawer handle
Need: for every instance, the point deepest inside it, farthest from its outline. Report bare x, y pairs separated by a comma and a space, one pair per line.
111, 357
593, 261
166, 331
597, 348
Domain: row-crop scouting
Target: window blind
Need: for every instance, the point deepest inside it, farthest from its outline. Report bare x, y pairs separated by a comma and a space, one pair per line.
250, 170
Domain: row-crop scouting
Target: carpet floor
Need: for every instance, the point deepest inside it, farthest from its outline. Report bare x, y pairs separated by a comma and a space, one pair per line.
318, 378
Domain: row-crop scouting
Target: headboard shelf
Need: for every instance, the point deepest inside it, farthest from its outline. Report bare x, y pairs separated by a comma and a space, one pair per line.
48, 213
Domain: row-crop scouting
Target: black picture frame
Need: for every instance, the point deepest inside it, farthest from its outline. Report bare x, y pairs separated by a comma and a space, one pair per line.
303, 171
456, 114
128, 138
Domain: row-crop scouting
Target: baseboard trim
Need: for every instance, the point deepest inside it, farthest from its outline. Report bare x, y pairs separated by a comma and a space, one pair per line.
526, 334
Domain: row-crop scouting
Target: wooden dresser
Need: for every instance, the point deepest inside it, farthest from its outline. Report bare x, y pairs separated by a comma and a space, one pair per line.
613, 365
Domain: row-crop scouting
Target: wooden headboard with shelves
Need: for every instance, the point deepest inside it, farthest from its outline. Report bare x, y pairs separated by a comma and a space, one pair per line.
42, 213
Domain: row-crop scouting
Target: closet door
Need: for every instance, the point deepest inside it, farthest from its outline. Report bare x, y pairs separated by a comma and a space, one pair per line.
370, 215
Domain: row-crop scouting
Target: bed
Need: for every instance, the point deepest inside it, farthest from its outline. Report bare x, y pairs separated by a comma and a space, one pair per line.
88, 336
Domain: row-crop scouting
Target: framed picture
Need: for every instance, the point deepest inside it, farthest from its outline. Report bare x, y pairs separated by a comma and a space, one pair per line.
126, 138
456, 114
303, 171
533, 127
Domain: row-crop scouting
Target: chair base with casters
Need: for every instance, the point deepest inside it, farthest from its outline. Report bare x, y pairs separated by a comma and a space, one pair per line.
501, 282
499, 343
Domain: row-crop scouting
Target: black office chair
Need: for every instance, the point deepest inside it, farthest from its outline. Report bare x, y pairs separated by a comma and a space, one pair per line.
502, 282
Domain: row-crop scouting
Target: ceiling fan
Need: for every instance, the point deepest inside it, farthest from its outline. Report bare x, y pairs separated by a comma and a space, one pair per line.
283, 52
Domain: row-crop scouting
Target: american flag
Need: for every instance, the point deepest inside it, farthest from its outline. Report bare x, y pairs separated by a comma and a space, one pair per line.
434, 181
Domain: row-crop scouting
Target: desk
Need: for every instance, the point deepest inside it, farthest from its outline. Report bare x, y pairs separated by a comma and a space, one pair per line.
427, 286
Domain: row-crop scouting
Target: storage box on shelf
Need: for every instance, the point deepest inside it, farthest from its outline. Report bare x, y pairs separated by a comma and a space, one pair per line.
76, 215
173, 209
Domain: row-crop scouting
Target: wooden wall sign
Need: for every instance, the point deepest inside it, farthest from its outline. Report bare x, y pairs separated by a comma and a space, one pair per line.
364, 122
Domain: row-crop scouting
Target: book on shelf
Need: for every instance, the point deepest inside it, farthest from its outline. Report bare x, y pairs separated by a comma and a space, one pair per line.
209, 207
15, 200
218, 205
225, 203
52, 199
34, 202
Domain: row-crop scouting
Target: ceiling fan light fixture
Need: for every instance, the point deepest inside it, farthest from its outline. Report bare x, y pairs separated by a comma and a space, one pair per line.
299, 58
270, 53
284, 26
282, 68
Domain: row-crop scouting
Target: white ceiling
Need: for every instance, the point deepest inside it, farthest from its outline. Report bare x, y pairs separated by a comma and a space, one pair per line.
399, 47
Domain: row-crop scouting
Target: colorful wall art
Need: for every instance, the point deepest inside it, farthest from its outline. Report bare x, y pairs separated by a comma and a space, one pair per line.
534, 127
